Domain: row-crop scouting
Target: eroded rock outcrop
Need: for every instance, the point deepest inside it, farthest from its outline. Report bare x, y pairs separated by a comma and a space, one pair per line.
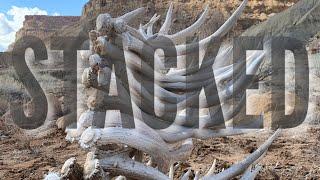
44, 26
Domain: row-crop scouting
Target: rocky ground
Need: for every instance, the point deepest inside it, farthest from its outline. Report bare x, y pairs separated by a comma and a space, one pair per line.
294, 155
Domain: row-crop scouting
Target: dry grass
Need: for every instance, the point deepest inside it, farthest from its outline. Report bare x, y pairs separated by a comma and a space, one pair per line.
12, 89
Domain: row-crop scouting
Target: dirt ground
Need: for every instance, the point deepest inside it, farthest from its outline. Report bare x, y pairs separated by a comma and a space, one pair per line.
294, 155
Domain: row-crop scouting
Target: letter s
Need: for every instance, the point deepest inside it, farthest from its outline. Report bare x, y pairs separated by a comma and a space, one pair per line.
30, 83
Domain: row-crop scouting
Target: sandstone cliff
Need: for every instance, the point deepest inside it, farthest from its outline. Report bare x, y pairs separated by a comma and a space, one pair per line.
43, 26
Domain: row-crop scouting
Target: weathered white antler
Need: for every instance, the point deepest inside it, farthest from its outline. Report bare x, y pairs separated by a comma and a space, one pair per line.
132, 15
149, 26
251, 173
242, 166
159, 150
181, 36
167, 23
130, 168
121, 164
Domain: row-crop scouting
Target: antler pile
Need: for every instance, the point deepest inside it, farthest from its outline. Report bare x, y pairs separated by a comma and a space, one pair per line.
117, 151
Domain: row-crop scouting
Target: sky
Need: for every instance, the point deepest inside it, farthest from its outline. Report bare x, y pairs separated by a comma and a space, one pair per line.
12, 14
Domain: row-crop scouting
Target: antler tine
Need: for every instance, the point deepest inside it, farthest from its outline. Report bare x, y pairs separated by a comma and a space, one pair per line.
149, 26
240, 167
221, 57
181, 35
251, 173
154, 19
181, 50
186, 175
127, 167
221, 74
167, 23
255, 61
197, 176
224, 29
212, 168
132, 15
142, 32
171, 172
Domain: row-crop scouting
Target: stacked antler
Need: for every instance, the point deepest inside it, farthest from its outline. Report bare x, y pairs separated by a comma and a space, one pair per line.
117, 151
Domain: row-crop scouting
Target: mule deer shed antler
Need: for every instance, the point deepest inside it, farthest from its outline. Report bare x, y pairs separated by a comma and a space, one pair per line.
172, 144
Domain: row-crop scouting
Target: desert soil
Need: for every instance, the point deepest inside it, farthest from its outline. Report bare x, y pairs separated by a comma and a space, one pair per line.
294, 155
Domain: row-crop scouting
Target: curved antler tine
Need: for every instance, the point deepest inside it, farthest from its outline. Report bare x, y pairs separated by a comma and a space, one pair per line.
254, 64
251, 173
234, 86
131, 169
181, 50
167, 23
224, 29
240, 167
154, 19
150, 26
212, 168
232, 20
186, 175
132, 15
171, 172
181, 35
221, 75
142, 32
197, 176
